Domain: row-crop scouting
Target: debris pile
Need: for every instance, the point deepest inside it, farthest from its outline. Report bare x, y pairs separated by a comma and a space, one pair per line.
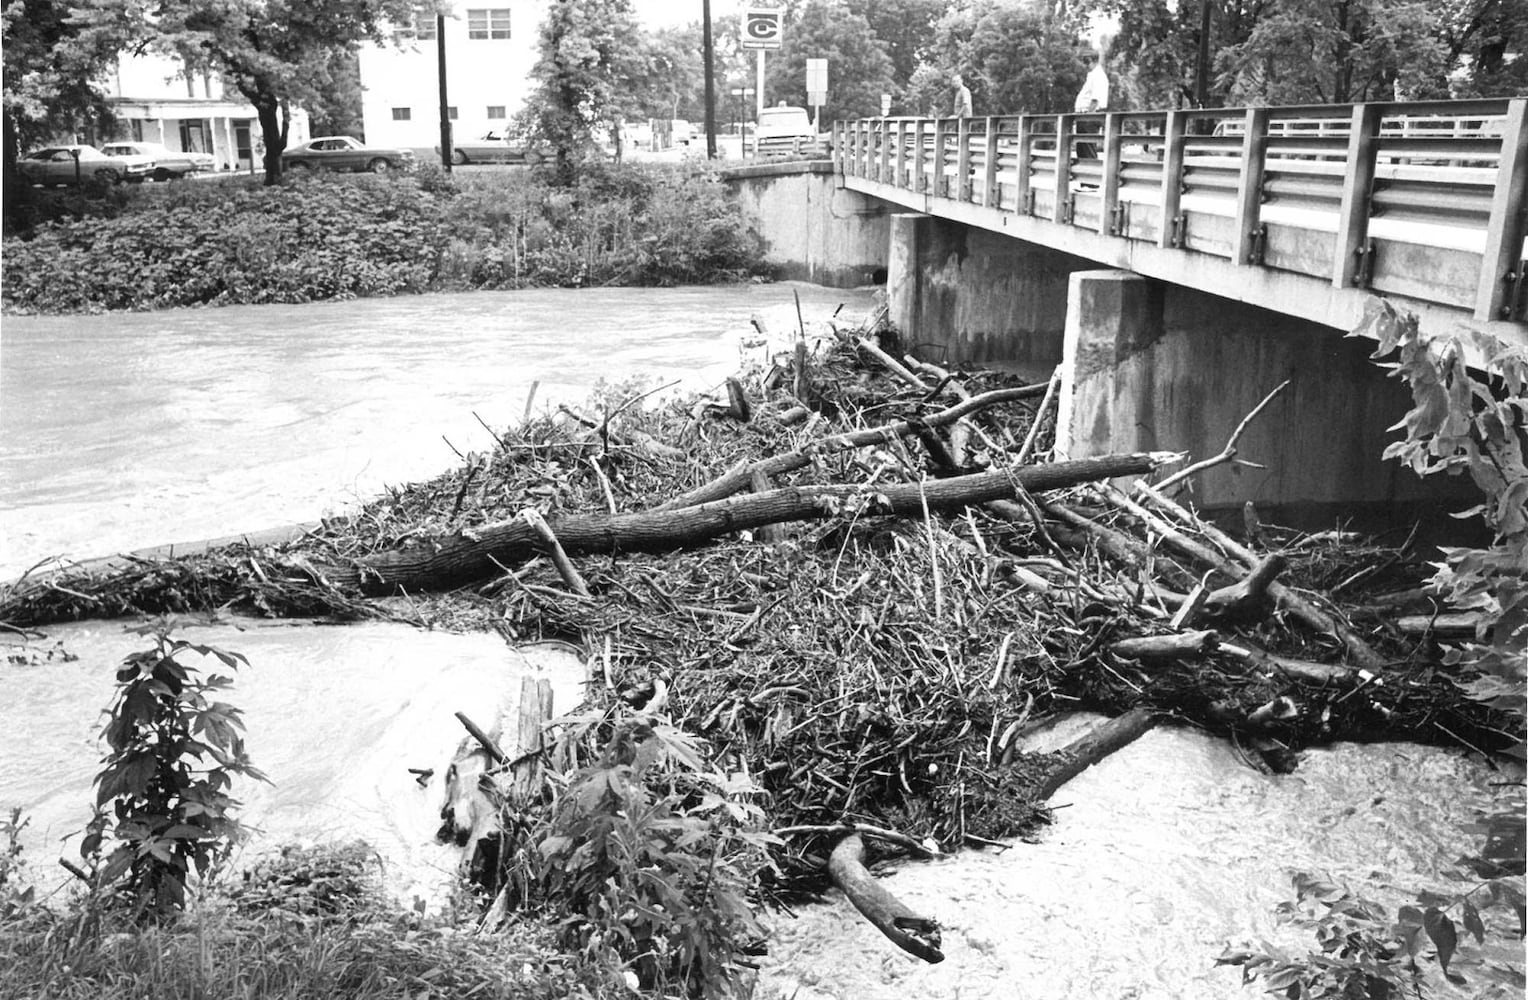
859, 580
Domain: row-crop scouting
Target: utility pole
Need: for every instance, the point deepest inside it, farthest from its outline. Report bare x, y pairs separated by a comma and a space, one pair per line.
445, 106
1202, 70
705, 8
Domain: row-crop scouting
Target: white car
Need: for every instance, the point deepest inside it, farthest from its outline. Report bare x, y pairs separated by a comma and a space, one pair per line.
76, 164
167, 164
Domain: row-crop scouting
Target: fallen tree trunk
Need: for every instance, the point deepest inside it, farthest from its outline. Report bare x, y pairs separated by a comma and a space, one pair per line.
738, 478
474, 554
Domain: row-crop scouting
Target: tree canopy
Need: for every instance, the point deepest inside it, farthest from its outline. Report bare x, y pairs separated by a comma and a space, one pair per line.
587, 61
1318, 51
859, 68
52, 63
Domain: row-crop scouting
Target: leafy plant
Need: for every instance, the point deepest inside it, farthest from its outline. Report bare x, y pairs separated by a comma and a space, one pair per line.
648, 855
163, 790
1366, 953
1465, 421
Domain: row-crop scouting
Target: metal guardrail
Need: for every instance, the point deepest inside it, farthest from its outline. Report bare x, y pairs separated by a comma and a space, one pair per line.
1423, 200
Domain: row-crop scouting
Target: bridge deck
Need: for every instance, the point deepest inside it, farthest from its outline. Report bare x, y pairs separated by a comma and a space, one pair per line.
1305, 210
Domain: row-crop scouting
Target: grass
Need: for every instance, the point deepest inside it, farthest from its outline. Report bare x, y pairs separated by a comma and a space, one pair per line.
307, 924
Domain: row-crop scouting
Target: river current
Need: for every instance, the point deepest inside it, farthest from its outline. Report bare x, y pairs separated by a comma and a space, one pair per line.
126, 431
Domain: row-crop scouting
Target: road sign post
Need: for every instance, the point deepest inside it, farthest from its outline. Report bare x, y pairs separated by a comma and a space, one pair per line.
761, 31
817, 88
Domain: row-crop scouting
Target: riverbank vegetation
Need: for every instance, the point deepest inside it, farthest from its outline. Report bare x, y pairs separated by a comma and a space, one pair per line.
823, 608
340, 237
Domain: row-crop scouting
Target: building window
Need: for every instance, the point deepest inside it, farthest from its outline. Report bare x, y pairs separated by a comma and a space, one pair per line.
488, 22
424, 27
495, 112
402, 114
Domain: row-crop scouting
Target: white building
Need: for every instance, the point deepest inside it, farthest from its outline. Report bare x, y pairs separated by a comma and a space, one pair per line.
490, 50
157, 100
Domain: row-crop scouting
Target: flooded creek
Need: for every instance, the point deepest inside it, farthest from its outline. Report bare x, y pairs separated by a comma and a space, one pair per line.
121, 432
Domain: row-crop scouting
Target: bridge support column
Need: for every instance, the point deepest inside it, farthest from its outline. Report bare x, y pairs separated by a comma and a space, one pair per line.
958, 293
1155, 367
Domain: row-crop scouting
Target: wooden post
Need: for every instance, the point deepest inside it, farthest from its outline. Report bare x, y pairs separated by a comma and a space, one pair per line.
1357, 182
535, 713
1109, 188
1172, 177
1249, 186
1022, 168
941, 130
962, 190
1063, 167
1504, 236
991, 196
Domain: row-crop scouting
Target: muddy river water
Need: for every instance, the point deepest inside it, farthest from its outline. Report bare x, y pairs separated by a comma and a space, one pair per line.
126, 431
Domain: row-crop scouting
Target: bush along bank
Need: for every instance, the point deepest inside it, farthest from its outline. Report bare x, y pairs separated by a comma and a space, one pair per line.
332, 237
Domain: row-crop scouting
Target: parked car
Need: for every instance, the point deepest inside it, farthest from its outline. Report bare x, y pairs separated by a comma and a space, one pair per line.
494, 147
786, 131
167, 164
341, 152
74, 164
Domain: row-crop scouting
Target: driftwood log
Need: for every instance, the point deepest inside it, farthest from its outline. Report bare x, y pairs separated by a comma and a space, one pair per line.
478, 553
919, 935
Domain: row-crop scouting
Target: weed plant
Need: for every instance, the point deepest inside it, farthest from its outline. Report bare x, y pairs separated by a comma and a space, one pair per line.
343, 237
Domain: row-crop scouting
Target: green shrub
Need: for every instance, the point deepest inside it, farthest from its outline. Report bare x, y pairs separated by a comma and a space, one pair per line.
647, 859
174, 751
341, 237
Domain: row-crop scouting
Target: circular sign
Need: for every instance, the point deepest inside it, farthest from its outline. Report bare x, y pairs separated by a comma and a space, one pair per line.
762, 25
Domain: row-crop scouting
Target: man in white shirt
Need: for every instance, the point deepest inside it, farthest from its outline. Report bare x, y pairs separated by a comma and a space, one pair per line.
1094, 96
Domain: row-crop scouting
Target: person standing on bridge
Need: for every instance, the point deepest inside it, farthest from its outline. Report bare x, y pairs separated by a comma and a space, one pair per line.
1093, 97
962, 98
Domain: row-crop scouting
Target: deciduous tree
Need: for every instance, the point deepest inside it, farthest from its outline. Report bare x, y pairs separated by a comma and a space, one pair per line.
586, 54
53, 62
1017, 59
859, 68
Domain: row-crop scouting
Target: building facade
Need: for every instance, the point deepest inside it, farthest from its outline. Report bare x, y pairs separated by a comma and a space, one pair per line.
490, 50
157, 100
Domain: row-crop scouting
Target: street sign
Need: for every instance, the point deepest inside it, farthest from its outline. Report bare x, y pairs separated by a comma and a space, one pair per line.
817, 81
761, 28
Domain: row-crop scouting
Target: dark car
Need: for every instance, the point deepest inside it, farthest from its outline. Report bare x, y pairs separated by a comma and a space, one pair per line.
76, 164
494, 147
341, 152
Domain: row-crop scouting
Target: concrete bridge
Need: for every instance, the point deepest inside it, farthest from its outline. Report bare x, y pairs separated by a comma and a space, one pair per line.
1179, 264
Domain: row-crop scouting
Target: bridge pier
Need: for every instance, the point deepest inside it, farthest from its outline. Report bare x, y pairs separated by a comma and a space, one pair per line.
961, 295
1154, 366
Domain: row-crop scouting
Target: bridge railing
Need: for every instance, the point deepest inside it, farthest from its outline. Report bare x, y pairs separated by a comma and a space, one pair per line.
1425, 200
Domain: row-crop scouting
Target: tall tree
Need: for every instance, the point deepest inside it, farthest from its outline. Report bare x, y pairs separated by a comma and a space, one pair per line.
52, 64
903, 27
587, 53
859, 69
1314, 51
1016, 58
276, 53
